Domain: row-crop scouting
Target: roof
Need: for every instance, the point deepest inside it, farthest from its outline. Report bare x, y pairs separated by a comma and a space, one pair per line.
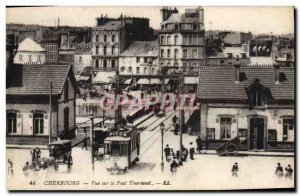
117, 138
111, 25
29, 45
104, 77
142, 48
217, 82
235, 51
260, 60
232, 38
181, 18
35, 79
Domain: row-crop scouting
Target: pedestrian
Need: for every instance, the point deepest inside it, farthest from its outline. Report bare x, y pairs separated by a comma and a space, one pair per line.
85, 142
174, 119
192, 151
26, 169
33, 154
199, 144
279, 170
10, 167
38, 152
173, 154
289, 172
173, 166
176, 130
184, 153
178, 154
167, 151
235, 170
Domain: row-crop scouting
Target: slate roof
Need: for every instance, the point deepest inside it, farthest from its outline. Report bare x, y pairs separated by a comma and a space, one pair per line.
35, 79
142, 48
218, 83
111, 25
181, 18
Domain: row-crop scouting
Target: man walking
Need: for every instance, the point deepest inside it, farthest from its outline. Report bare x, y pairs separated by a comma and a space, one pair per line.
85, 142
199, 144
235, 170
173, 166
167, 151
279, 170
176, 130
289, 172
192, 151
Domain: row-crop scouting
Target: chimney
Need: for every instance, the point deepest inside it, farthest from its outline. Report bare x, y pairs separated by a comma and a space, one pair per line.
237, 72
277, 67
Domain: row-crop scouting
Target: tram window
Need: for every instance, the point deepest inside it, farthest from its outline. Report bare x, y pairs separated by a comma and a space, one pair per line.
115, 149
107, 148
123, 149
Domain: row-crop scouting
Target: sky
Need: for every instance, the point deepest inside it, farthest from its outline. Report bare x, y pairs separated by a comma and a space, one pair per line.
276, 20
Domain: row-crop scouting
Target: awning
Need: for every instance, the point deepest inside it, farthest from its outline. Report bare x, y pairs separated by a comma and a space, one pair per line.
155, 81
191, 80
128, 81
104, 77
143, 81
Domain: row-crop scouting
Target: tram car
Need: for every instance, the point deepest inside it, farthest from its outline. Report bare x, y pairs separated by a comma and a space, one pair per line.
122, 149
135, 114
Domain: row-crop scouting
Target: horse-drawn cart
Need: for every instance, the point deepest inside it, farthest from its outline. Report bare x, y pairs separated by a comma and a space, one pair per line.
230, 148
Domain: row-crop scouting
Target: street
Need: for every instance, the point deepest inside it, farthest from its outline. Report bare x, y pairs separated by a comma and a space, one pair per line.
196, 174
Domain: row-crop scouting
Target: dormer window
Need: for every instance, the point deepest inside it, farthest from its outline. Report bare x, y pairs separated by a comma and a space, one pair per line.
229, 55
258, 94
256, 98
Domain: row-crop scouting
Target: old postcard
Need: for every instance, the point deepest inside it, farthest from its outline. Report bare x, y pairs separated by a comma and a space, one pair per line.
150, 98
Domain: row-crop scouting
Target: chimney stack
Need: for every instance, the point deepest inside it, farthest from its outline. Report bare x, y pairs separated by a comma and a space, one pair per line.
237, 72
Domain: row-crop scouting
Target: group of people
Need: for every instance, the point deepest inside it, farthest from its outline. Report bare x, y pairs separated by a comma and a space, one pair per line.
288, 171
35, 153
171, 155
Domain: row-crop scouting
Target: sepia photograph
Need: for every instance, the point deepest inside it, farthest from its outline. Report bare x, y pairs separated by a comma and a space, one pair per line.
150, 98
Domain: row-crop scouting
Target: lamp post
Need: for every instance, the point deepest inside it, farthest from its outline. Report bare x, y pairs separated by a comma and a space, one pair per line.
92, 138
162, 128
50, 112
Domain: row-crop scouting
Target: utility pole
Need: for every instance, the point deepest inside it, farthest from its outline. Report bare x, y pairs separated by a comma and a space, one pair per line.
162, 129
92, 138
50, 113
181, 116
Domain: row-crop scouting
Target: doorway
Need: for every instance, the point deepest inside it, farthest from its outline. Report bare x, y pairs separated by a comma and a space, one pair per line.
256, 133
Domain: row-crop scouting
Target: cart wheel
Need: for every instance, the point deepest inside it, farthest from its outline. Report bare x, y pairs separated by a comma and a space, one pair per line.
70, 161
231, 150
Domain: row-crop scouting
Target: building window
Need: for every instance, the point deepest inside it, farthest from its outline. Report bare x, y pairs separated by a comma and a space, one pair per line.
11, 122
194, 26
137, 59
145, 70
38, 123
105, 38
20, 57
113, 63
112, 50
225, 128
113, 38
66, 93
162, 40
80, 59
162, 53
272, 135
194, 40
257, 98
66, 119
122, 69
176, 53
39, 58
97, 63
104, 63
29, 58
97, 38
168, 53
176, 26
104, 50
211, 133
184, 53
169, 40
130, 69
175, 40
97, 49
137, 70
194, 54
288, 125
145, 59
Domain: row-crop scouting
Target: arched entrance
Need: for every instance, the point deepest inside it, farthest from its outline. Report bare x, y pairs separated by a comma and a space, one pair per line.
257, 132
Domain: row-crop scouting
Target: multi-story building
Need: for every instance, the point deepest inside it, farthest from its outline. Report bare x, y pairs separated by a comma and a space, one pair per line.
52, 44
140, 58
112, 36
27, 103
29, 52
181, 39
83, 56
256, 103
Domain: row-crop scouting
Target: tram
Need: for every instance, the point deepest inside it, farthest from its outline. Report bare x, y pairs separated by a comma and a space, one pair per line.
122, 149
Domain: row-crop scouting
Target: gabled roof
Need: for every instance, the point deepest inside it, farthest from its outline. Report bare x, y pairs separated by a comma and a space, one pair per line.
35, 79
30, 45
218, 83
142, 48
181, 18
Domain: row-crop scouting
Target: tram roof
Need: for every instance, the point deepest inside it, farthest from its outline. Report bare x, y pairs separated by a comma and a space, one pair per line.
117, 138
